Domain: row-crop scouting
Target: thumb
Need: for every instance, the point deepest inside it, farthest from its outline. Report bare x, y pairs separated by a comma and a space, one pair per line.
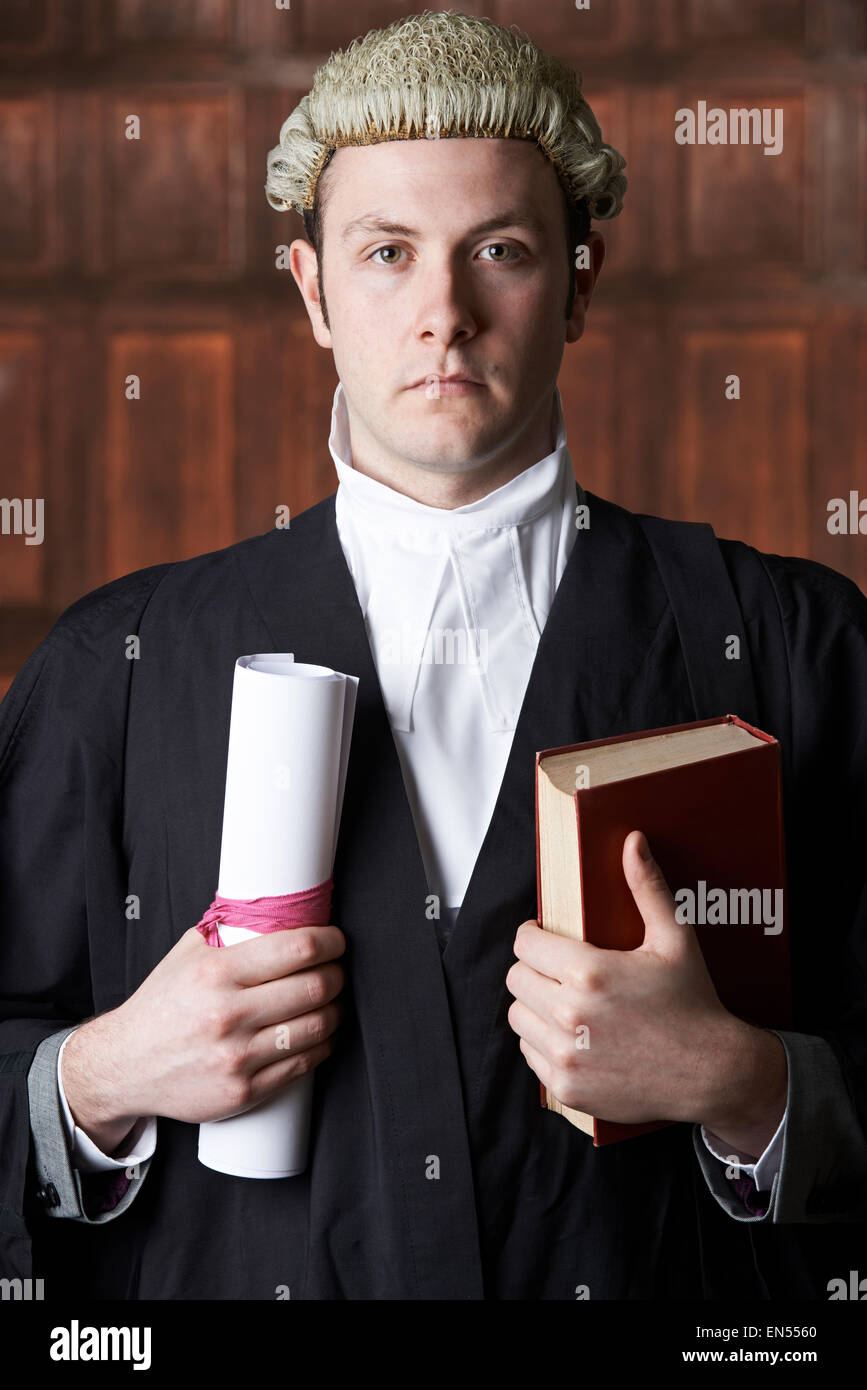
652, 895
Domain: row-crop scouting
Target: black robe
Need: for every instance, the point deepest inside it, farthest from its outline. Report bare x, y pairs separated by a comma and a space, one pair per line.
112, 776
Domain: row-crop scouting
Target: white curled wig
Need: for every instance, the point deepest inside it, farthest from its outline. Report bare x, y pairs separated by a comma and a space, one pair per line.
438, 75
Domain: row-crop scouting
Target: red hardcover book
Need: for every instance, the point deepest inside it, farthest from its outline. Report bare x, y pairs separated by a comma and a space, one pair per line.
708, 797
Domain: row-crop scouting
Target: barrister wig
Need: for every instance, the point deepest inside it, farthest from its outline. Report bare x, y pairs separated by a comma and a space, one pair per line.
438, 75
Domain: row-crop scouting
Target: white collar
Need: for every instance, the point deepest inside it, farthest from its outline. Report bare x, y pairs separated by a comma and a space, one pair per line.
399, 550
522, 499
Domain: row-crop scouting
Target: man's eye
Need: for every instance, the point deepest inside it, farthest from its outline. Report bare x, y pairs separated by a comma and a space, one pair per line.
385, 248
500, 246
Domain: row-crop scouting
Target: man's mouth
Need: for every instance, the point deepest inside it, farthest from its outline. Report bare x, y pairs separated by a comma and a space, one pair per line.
458, 385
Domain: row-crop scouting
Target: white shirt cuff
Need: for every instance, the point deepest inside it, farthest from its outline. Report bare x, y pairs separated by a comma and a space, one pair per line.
763, 1169
86, 1157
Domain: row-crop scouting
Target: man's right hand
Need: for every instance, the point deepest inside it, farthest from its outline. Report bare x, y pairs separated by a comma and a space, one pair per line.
209, 1033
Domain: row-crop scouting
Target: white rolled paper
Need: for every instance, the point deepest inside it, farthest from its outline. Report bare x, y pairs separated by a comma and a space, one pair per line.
289, 738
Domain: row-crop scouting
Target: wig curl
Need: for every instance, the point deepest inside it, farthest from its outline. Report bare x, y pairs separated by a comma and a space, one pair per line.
440, 75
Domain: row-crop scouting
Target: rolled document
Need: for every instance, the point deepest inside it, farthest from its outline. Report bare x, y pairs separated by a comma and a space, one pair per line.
289, 739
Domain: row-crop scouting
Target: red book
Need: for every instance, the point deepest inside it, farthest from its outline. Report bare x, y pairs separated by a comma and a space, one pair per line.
708, 797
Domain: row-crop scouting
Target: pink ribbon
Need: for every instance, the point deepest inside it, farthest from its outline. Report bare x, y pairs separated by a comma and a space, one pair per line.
310, 907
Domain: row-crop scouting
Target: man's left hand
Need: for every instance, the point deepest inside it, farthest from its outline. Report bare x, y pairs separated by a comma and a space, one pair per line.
641, 1035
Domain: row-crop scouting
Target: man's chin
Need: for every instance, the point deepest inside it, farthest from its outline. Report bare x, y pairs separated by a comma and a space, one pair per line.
453, 433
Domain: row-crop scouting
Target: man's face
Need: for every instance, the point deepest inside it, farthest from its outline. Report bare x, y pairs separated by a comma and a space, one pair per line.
445, 257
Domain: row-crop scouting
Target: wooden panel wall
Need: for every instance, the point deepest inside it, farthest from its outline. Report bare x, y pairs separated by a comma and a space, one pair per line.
159, 385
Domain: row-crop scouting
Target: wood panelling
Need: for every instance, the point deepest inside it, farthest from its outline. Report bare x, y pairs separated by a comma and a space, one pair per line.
265, 112
856, 213
758, 443
838, 435
604, 26
588, 368
326, 24
22, 417
27, 25
157, 257
769, 20
162, 21
28, 194
737, 203
170, 456
170, 203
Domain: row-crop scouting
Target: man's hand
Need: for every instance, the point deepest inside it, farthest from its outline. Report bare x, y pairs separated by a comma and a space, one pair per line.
641, 1035
210, 1032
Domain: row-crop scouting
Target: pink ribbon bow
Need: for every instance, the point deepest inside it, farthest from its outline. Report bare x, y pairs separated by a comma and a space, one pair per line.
312, 906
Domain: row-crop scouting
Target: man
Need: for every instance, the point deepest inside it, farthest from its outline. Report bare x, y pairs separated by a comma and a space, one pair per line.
434, 1172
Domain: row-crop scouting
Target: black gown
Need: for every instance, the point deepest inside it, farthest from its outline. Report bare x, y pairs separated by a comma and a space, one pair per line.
111, 783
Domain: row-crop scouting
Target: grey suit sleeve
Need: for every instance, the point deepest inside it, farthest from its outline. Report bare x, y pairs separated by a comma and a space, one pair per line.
62, 1190
823, 1172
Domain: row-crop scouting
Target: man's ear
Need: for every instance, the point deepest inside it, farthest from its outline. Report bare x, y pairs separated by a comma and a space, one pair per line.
303, 264
585, 281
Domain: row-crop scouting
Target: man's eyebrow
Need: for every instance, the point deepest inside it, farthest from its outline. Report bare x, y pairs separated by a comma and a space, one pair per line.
510, 217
